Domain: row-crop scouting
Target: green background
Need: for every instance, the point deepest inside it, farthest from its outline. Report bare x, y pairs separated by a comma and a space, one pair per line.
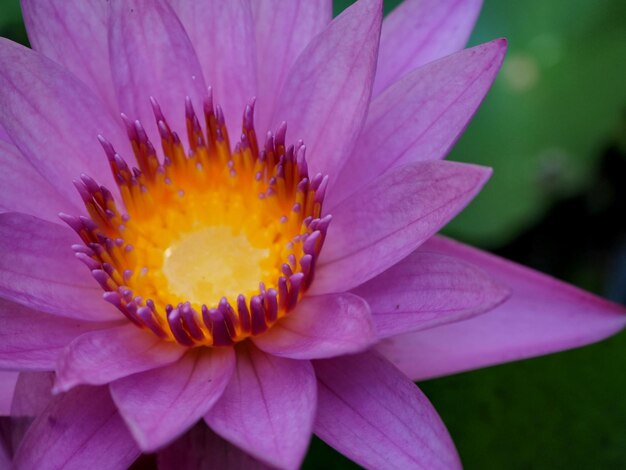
554, 118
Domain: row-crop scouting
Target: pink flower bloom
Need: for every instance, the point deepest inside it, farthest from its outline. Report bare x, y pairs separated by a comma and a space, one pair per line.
357, 297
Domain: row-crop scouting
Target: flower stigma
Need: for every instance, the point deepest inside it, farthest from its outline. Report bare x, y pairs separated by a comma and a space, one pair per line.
231, 265
214, 245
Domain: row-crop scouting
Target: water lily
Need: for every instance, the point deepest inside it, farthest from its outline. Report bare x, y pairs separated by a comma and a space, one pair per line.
248, 255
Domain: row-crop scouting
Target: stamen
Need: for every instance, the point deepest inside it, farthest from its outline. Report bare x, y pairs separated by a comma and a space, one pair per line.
230, 238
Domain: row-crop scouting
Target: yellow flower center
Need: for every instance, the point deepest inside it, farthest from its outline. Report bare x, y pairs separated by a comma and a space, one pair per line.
215, 244
230, 266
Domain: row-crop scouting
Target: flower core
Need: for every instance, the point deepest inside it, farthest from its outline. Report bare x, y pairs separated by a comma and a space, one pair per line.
234, 264
214, 245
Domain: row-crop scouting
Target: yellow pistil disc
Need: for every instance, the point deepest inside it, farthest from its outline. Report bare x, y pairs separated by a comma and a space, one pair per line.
214, 262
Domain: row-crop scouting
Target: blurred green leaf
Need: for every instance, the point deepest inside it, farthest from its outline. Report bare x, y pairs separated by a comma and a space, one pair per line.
556, 100
565, 411
11, 23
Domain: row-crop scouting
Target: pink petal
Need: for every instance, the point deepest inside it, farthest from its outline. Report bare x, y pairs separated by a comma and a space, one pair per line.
283, 30
74, 34
79, 429
376, 416
321, 327
100, 357
388, 219
12, 432
200, 449
5, 458
161, 404
151, 55
268, 407
4, 135
421, 116
543, 315
420, 31
33, 394
31, 340
25, 190
8, 380
39, 270
54, 119
31, 397
222, 34
426, 290
325, 96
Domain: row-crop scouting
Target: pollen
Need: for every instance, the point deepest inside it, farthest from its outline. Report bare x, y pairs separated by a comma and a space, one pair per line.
206, 244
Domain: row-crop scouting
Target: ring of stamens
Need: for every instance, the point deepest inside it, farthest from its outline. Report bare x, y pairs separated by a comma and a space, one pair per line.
215, 245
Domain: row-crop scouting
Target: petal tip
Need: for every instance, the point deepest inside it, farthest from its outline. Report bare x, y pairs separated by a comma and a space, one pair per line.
60, 386
502, 42
145, 444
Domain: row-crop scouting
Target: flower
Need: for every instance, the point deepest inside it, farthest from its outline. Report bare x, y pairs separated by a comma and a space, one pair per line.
324, 270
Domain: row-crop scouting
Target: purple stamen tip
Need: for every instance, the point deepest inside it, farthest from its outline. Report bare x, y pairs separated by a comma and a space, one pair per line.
219, 116
87, 260
175, 321
107, 146
190, 321
82, 191
248, 116
310, 244
244, 314
72, 221
130, 128
163, 130
208, 104
303, 185
320, 191
90, 183
214, 319
303, 168
113, 298
271, 305
83, 249
140, 132
156, 109
189, 107
126, 293
101, 277
257, 313
146, 316
280, 134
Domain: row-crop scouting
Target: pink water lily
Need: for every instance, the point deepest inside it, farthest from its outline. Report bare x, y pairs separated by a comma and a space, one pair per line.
254, 282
